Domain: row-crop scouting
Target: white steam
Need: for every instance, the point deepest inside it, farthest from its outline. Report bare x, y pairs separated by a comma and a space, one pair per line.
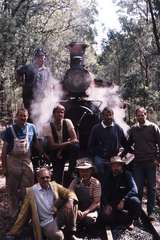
110, 97
42, 106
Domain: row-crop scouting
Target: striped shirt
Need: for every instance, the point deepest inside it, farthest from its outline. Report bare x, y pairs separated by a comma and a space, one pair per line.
94, 187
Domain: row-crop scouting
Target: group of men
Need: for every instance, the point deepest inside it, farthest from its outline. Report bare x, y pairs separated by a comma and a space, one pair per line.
88, 199
55, 210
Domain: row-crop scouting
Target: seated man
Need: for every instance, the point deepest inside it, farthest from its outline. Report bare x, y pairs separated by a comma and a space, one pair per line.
88, 191
63, 143
119, 194
50, 206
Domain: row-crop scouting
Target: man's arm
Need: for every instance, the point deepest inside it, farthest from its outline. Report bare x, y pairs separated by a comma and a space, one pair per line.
133, 191
57, 146
157, 136
65, 193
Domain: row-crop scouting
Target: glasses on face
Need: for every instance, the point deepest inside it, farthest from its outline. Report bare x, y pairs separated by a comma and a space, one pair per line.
45, 177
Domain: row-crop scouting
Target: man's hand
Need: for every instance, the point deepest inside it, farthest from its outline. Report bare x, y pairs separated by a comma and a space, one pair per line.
120, 205
73, 141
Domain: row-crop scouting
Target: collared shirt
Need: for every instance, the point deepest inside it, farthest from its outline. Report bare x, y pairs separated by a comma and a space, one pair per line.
105, 126
45, 202
146, 123
105, 141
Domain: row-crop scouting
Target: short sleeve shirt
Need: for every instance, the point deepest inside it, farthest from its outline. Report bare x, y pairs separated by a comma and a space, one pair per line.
7, 135
94, 188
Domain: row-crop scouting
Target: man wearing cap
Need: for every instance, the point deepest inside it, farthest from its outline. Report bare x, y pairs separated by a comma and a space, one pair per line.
105, 140
119, 193
88, 191
50, 206
34, 78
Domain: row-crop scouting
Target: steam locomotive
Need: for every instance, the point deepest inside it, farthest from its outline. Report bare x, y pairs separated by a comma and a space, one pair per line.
83, 112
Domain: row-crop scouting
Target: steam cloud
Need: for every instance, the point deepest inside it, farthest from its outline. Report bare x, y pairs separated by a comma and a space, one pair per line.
43, 104
52, 93
110, 97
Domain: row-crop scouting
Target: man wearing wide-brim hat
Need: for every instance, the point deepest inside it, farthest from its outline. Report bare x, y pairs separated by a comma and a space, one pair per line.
88, 191
119, 195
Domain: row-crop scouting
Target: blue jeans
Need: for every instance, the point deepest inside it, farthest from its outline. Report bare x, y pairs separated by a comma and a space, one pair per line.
102, 168
145, 173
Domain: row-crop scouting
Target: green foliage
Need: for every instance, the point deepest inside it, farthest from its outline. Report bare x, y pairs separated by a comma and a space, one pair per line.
52, 24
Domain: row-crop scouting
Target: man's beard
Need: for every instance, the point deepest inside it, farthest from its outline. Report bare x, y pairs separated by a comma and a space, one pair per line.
117, 173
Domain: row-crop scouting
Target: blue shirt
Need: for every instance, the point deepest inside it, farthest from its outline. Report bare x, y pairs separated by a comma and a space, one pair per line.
105, 141
7, 135
45, 202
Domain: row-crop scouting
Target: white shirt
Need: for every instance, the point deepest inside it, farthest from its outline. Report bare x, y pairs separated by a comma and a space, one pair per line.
105, 126
44, 200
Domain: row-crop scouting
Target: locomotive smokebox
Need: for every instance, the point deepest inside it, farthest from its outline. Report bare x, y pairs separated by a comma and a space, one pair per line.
77, 79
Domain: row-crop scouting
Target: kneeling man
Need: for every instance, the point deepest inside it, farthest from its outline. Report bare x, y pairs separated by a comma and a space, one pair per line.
119, 194
50, 206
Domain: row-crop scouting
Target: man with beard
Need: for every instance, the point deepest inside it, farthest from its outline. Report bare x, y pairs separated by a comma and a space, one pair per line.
119, 194
105, 140
144, 137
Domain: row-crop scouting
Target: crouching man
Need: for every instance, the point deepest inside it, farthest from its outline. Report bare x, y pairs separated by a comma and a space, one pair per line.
51, 206
88, 191
119, 196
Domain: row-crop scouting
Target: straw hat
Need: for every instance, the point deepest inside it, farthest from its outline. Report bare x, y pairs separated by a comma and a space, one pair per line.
117, 159
84, 163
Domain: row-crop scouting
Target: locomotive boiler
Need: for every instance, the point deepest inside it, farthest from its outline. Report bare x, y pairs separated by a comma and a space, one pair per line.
83, 112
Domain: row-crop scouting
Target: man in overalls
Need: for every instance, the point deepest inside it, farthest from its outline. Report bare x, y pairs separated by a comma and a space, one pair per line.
88, 191
16, 158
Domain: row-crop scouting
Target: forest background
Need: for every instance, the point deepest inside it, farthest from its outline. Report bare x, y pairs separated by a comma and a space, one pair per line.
129, 58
